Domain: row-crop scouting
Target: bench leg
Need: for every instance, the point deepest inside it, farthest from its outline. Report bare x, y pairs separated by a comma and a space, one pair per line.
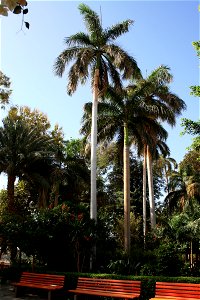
49, 295
16, 292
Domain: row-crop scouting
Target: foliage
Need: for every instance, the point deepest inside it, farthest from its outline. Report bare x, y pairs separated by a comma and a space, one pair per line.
16, 7
34, 118
195, 90
60, 238
21, 148
193, 128
168, 260
5, 91
22, 198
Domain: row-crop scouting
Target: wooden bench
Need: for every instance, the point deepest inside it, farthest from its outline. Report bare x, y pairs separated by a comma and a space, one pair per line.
46, 282
127, 289
168, 290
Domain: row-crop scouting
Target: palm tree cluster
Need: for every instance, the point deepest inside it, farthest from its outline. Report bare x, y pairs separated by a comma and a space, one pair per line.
131, 115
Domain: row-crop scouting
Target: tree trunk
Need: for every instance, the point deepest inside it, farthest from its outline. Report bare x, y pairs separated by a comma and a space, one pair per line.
10, 191
151, 190
93, 200
191, 255
42, 199
144, 196
126, 192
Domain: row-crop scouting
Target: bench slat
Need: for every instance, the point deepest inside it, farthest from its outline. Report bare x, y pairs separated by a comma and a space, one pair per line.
49, 282
115, 288
176, 290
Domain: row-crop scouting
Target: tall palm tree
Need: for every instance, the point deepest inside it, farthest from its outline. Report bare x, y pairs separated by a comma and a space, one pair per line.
96, 55
166, 106
20, 148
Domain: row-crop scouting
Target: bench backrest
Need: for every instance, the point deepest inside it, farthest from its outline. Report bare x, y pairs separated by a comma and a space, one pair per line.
48, 279
176, 289
109, 285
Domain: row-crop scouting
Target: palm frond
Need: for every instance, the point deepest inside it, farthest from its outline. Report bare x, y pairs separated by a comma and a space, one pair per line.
123, 61
92, 21
172, 101
79, 39
117, 30
63, 59
79, 70
161, 75
114, 75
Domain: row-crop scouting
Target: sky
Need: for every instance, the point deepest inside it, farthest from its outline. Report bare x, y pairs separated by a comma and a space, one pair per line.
162, 34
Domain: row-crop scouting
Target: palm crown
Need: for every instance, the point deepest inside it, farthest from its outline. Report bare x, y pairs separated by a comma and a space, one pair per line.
96, 49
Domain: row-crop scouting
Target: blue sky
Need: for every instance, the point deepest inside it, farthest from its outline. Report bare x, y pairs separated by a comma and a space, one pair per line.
162, 33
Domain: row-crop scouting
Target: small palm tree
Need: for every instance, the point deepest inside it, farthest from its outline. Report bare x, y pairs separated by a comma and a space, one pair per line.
96, 55
20, 148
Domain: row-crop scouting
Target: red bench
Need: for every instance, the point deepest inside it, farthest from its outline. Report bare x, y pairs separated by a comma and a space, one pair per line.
115, 288
179, 291
46, 282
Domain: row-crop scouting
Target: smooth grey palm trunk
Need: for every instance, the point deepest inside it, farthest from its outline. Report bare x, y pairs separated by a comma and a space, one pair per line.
144, 196
151, 189
93, 200
126, 192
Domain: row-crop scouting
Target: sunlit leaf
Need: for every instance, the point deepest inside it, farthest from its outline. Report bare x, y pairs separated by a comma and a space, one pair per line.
22, 2
3, 10
9, 3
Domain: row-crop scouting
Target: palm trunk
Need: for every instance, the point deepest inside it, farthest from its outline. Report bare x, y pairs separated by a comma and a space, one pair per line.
144, 196
10, 191
151, 190
93, 200
167, 179
126, 192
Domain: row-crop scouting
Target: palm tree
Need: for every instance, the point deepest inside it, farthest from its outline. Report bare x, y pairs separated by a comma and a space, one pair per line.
20, 148
96, 55
166, 106
184, 185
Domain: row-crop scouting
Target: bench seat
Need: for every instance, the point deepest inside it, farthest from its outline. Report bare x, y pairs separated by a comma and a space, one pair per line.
48, 282
115, 288
177, 291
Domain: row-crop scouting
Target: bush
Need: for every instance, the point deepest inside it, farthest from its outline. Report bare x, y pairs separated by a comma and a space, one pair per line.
169, 262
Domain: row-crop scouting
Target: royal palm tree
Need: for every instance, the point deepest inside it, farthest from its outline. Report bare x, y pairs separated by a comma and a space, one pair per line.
166, 106
94, 54
20, 148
